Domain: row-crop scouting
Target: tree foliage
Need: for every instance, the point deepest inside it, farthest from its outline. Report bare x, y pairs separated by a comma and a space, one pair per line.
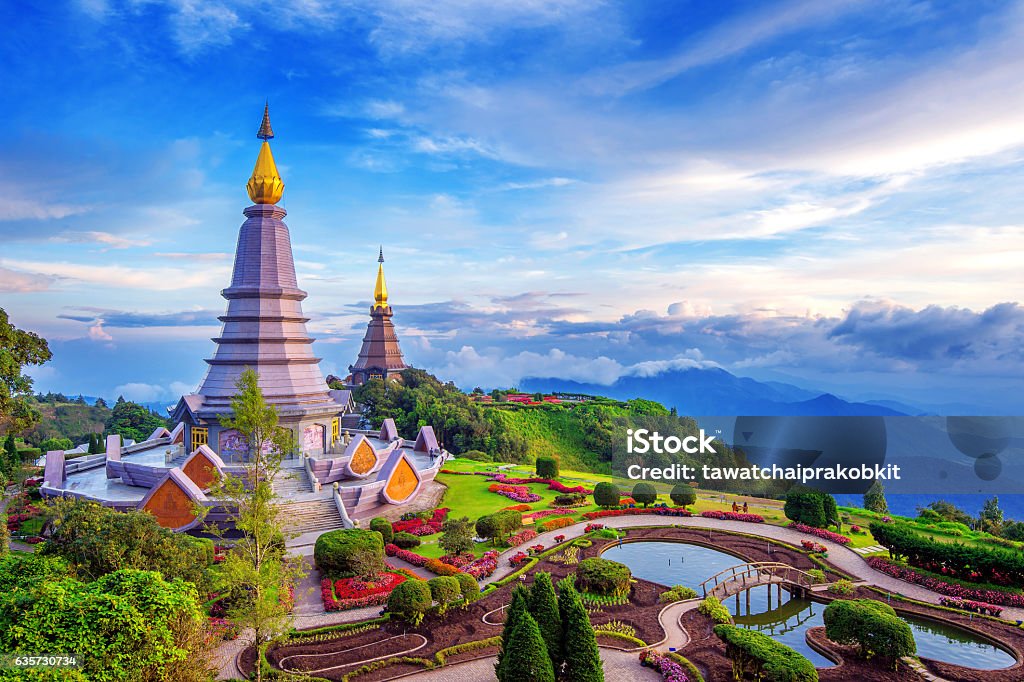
18, 349
96, 540
757, 656
131, 420
457, 535
811, 507
582, 657
444, 589
382, 526
874, 498
645, 493
683, 495
410, 601
348, 552
606, 494
525, 655
543, 606
547, 467
870, 625
499, 525
129, 625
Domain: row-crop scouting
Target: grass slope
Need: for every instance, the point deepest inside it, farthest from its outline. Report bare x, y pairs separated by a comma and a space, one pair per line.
553, 433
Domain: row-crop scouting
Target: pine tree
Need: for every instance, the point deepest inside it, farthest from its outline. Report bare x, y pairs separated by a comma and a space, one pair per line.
526, 656
513, 616
544, 608
10, 459
874, 499
582, 658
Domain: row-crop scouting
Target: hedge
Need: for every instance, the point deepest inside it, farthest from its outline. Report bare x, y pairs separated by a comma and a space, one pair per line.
955, 559
603, 576
871, 625
348, 552
713, 609
762, 658
547, 467
406, 540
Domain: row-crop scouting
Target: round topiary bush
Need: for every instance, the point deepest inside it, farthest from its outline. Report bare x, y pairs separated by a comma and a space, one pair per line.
444, 590
606, 494
349, 552
603, 576
645, 493
406, 540
383, 526
410, 600
683, 495
468, 586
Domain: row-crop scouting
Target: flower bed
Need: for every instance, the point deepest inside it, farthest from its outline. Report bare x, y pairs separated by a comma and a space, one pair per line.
968, 605
420, 527
551, 483
519, 558
559, 538
520, 508
812, 546
521, 537
656, 511
353, 593
942, 587
821, 533
555, 524
535, 549
413, 558
733, 516
592, 527
222, 628
484, 566
438, 567
459, 560
560, 511
669, 669
519, 493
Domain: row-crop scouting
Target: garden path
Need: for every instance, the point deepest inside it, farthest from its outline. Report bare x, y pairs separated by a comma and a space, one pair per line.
618, 665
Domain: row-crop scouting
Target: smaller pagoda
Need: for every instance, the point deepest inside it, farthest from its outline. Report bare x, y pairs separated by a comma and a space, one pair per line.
380, 354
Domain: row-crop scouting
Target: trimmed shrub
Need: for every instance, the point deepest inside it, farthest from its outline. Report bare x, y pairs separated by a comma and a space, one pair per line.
603, 576
547, 467
468, 586
810, 507
841, 587
713, 609
525, 654
444, 590
570, 499
383, 526
761, 657
543, 606
582, 657
683, 495
606, 494
406, 540
348, 552
677, 593
645, 493
410, 600
817, 575
871, 625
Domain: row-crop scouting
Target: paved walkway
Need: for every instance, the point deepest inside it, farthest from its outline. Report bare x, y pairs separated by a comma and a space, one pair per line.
618, 665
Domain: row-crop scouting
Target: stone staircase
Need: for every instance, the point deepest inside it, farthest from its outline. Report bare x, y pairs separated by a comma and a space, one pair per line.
307, 516
291, 483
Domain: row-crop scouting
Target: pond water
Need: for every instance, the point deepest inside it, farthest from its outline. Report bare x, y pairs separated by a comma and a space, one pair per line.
787, 620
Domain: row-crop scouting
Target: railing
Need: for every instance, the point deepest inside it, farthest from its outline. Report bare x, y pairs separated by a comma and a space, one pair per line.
346, 520
314, 483
758, 573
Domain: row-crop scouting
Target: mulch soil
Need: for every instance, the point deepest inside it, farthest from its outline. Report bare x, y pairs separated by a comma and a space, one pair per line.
705, 650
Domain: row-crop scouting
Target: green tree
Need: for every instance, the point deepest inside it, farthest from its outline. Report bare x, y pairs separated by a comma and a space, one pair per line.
410, 600
255, 573
543, 606
871, 625
547, 467
811, 507
100, 402
874, 498
645, 493
457, 536
132, 420
56, 444
950, 512
582, 657
5, 535
526, 656
606, 494
514, 615
683, 495
18, 349
10, 460
991, 517
96, 444
444, 589
96, 540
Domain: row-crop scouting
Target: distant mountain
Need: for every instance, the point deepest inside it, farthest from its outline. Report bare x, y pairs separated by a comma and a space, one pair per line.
716, 392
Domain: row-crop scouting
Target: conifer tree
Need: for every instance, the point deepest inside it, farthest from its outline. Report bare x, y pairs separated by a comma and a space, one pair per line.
544, 608
526, 657
582, 657
513, 616
874, 499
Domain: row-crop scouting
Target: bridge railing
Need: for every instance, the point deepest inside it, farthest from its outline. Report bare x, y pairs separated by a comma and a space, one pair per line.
758, 573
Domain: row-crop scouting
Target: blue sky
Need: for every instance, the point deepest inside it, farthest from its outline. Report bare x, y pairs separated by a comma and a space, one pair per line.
823, 193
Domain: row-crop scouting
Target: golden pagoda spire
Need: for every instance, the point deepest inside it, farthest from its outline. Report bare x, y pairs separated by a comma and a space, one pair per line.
265, 185
380, 291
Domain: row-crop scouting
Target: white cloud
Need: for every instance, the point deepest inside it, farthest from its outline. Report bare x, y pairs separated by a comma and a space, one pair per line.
14, 282
12, 208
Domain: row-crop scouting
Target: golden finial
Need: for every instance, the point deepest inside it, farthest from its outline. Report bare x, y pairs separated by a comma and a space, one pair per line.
265, 185
380, 291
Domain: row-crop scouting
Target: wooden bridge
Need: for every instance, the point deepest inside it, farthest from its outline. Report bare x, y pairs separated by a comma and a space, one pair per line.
746, 576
